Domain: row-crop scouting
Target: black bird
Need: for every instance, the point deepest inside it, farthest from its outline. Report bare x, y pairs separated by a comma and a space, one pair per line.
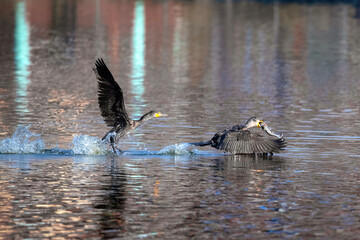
112, 107
246, 139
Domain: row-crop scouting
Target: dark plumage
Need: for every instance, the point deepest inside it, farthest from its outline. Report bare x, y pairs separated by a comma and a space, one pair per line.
246, 139
112, 106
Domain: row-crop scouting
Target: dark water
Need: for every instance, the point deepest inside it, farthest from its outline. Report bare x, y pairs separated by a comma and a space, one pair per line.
208, 65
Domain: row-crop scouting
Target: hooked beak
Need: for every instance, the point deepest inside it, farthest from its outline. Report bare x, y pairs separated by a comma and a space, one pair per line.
258, 124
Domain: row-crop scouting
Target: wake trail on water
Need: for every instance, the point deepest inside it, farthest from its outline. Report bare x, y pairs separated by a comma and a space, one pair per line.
23, 141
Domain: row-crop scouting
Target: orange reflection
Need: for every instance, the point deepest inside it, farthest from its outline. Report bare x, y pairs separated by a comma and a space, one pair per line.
156, 188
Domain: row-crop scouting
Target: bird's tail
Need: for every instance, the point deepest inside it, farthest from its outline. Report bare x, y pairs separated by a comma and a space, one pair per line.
201, 144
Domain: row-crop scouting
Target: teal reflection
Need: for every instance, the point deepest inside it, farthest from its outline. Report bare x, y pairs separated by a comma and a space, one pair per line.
22, 56
138, 56
179, 47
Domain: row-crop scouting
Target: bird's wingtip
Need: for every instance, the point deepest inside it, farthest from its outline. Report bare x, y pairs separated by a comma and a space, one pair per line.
99, 62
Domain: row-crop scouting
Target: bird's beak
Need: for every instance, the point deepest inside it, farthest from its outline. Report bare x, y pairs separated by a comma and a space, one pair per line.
158, 114
258, 124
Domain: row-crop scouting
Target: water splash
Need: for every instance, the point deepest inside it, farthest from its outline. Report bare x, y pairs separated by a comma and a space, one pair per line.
25, 142
179, 149
87, 145
22, 141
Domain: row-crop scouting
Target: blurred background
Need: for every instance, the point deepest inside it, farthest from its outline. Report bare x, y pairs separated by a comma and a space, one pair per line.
208, 65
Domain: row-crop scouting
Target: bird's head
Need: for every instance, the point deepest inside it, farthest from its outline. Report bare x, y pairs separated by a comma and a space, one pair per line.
150, 115
254, 122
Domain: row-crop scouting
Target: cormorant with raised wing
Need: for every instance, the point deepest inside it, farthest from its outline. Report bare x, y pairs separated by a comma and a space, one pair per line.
112, 107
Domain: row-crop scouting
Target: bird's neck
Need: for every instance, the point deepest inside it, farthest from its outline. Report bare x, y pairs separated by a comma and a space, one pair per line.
135, 124
146, 117
247, 126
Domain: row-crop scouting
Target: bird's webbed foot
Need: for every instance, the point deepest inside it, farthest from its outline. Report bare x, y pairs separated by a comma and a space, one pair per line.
117, 151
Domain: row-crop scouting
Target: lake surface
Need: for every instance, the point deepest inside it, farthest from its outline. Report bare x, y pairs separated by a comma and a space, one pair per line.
208, 65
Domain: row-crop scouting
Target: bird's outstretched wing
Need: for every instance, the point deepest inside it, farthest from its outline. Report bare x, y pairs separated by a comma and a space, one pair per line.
248, 142
110, 96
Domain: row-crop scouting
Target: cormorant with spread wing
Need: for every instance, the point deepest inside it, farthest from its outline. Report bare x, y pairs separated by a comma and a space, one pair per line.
112, 107
246, 139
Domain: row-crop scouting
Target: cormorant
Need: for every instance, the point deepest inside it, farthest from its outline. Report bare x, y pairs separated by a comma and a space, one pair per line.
112, 107
246, 139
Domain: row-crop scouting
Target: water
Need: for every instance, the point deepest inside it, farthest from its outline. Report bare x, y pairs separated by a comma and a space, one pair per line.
206, 64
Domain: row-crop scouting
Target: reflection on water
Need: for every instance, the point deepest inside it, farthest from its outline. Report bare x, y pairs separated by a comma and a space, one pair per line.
208, 65
117, 197
114, 201
192, 197
22, 56
138, 57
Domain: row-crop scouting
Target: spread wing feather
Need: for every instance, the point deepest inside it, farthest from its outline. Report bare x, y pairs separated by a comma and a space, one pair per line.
248, 142
110, 96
